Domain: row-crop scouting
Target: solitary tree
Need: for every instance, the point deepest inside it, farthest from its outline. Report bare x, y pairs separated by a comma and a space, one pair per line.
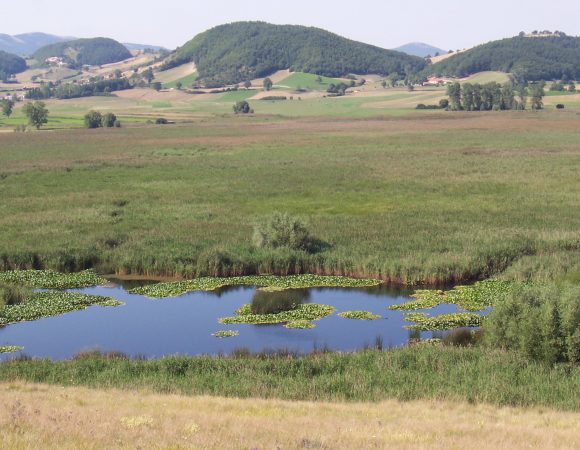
268, 84
37, 114
454, 93
247, 84
149, 75
537, 97
179, 85
6, 106
157, 86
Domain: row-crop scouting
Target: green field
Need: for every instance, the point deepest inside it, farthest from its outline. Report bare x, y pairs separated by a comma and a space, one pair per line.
300, 80
186, 81
417, 199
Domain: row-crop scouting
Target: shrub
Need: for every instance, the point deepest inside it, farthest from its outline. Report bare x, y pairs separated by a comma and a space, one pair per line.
161, 121
560, 106
13, 294
443, 103
540, 321
117, 123
242, 107
283, 230
274, 97
93, 119
109, 120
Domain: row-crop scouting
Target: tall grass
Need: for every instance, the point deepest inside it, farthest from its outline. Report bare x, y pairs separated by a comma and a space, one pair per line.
442, 373
442, 199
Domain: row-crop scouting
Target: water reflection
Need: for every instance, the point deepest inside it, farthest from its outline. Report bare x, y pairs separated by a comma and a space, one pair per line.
267, 301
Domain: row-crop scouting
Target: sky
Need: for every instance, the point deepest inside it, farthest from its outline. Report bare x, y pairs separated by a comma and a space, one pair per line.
449, 24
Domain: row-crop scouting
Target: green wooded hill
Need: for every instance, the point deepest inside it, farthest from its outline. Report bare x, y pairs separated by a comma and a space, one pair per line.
240, 51
11, 64
94, 52
531, 58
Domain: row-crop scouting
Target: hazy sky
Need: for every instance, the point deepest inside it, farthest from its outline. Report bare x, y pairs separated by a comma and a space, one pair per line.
450, 24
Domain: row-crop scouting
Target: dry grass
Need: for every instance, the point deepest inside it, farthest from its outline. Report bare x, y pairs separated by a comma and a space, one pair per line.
38, 416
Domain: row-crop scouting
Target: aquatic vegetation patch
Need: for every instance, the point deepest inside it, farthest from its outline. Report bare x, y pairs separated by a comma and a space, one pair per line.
174, 289
300, 325
226, 334
424, 322
477, 297
307, 312
10, 349
48, 279
359, 315
47, 304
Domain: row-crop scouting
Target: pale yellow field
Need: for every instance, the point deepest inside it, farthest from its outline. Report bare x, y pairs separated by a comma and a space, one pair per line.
38, 416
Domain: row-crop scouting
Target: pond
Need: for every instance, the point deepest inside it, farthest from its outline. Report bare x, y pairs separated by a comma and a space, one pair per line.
185, 325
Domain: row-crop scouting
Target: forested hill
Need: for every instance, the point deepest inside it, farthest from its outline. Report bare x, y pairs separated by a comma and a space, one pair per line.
94, 52
531, 58
11, 64
244, 50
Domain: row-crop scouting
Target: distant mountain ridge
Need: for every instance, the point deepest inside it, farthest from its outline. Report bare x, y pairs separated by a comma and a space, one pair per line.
28, 43
420, 49
241, 51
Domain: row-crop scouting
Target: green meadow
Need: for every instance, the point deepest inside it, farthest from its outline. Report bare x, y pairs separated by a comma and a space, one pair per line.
416, 199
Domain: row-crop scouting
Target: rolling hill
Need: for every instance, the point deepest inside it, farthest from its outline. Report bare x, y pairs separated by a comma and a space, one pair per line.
549, 57
11, 64
420, 49
93, 52
28, 43
240, 51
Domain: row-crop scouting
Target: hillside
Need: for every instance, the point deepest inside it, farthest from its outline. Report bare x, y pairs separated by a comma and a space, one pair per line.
246, 50
93, 52
11, 64
420, 49
531, 58
28, 43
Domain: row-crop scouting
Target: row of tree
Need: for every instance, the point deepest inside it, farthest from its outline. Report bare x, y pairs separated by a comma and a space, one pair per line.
94, 119
494, 96
77, 90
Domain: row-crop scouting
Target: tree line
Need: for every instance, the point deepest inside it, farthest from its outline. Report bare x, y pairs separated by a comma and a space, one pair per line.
495, 97
77, 90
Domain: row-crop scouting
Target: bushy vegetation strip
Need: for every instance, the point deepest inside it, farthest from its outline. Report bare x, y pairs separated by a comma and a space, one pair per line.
476, 375
48, 279
359, 315
46, 304
300, 325
226, 334
477, 297
10, 349
306, 312
424, 322
174, 289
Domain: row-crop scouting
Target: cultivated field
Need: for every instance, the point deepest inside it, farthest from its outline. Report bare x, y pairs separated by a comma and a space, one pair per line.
36, 416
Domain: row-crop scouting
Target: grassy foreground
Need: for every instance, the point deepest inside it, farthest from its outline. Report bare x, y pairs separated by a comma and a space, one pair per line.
475, 375
422, 199
41, 416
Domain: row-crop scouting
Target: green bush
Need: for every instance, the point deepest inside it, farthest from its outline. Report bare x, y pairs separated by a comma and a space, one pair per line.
540, 321
93, 119
13, 294
109, 120
283, 231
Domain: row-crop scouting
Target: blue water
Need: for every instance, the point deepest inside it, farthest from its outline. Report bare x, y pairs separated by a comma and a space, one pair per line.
184, 325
